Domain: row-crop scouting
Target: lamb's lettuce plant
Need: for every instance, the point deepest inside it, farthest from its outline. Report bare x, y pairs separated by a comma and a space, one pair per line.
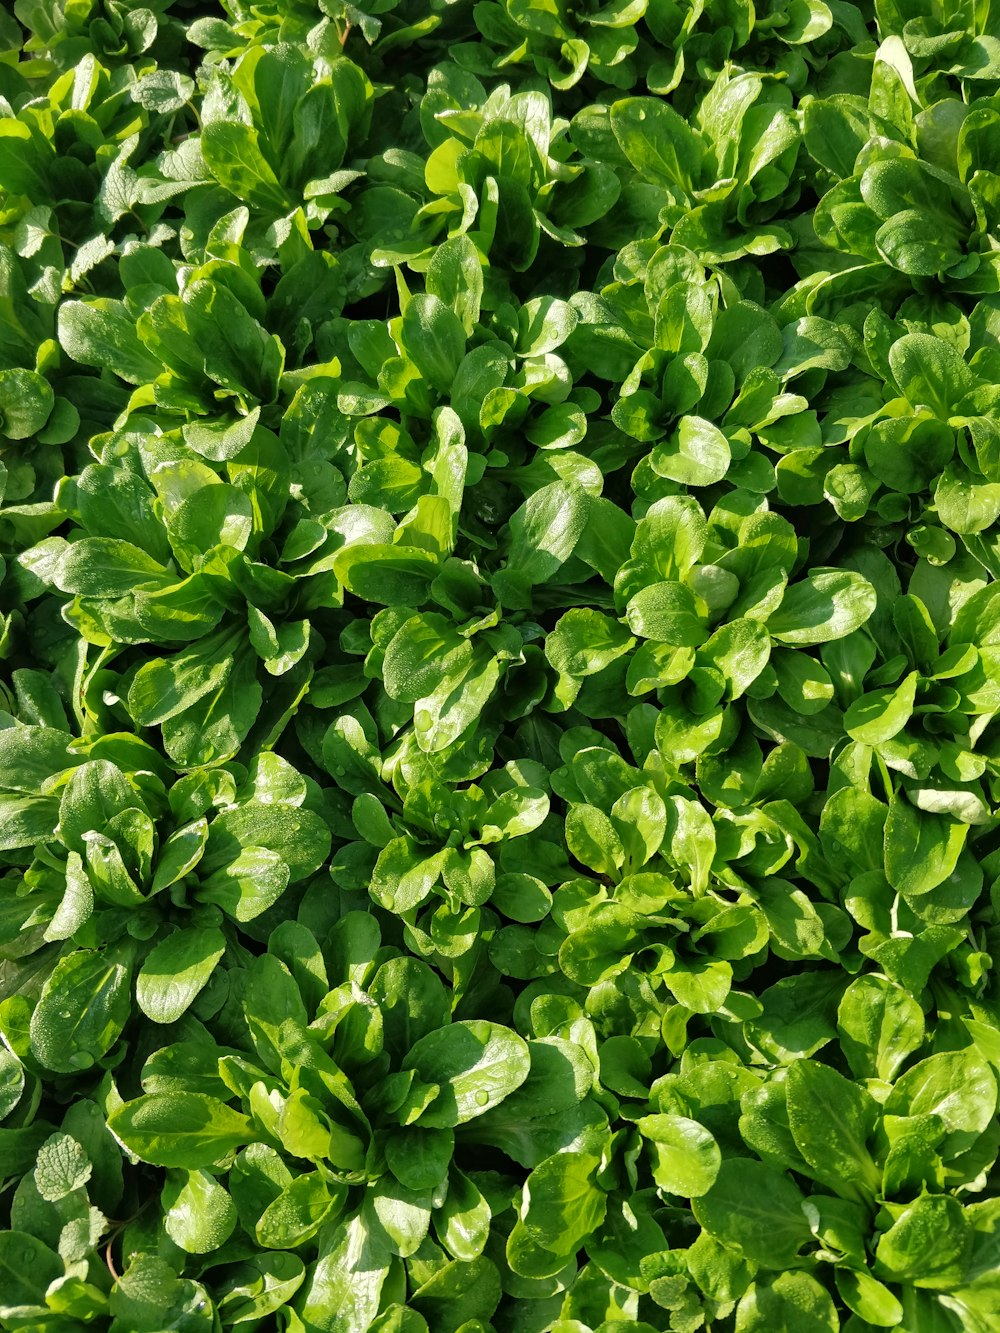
499, 617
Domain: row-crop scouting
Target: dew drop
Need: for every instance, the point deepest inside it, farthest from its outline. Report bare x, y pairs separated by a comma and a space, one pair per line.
482, 1097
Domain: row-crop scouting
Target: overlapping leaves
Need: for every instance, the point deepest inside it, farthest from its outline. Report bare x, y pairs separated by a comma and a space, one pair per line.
497, 765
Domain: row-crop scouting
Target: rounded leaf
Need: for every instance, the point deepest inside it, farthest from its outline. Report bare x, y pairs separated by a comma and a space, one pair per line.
792, 1303
176, 970
83, 1007
686, 1157
477, 1064
199, 1215
827, 604
26, 401
756, 1208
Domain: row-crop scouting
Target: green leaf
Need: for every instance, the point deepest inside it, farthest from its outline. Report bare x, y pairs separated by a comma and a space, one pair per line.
686, 1158
456, 702
163, 90
26, 402
176, 970
671, 536
199, 1215
387, 575
344, 1286
166, 687
412, 1000
180, 1129
585, 642
699, 454
921, 848
25, 820
179, 854
424, 647
958, 1087
657, 141
100, 332
792, 1303
455, 276
476, 1064
83, 1007
118, 504
463, 1223
544, 532
149, 1292
926, 1244
419, 1158
248, 885
931, 374
827, 604
62, 1167
434, 340
261, 1286
299, 836
403, 877
702, 986
278, 647
233, 155
868, 1298
812, 344
12, 1082
880, 1025
207, 335
879, 716
544, 323
740, 650
965, 504
106, 567
593, 840
514, 813
95, 793
28, 1267
458, 1296
562, 1205
668, 613
756, 1208
212, 516
831, 1120
402, 1214
297, 1213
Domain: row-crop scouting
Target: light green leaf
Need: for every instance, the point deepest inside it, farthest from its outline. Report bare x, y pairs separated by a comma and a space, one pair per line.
199, 1215
176, 971
827, 604
756, 1208
686, 1158
477, 1064
180, 1129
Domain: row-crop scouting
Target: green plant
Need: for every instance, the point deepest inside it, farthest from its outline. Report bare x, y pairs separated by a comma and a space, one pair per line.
499, 619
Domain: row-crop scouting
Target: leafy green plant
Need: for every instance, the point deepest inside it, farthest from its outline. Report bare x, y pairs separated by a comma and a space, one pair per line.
499, 712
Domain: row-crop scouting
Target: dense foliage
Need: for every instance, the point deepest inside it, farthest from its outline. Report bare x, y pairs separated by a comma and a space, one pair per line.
501, 644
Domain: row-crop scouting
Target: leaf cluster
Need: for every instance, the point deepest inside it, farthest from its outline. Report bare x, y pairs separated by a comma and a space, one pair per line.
499, 626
